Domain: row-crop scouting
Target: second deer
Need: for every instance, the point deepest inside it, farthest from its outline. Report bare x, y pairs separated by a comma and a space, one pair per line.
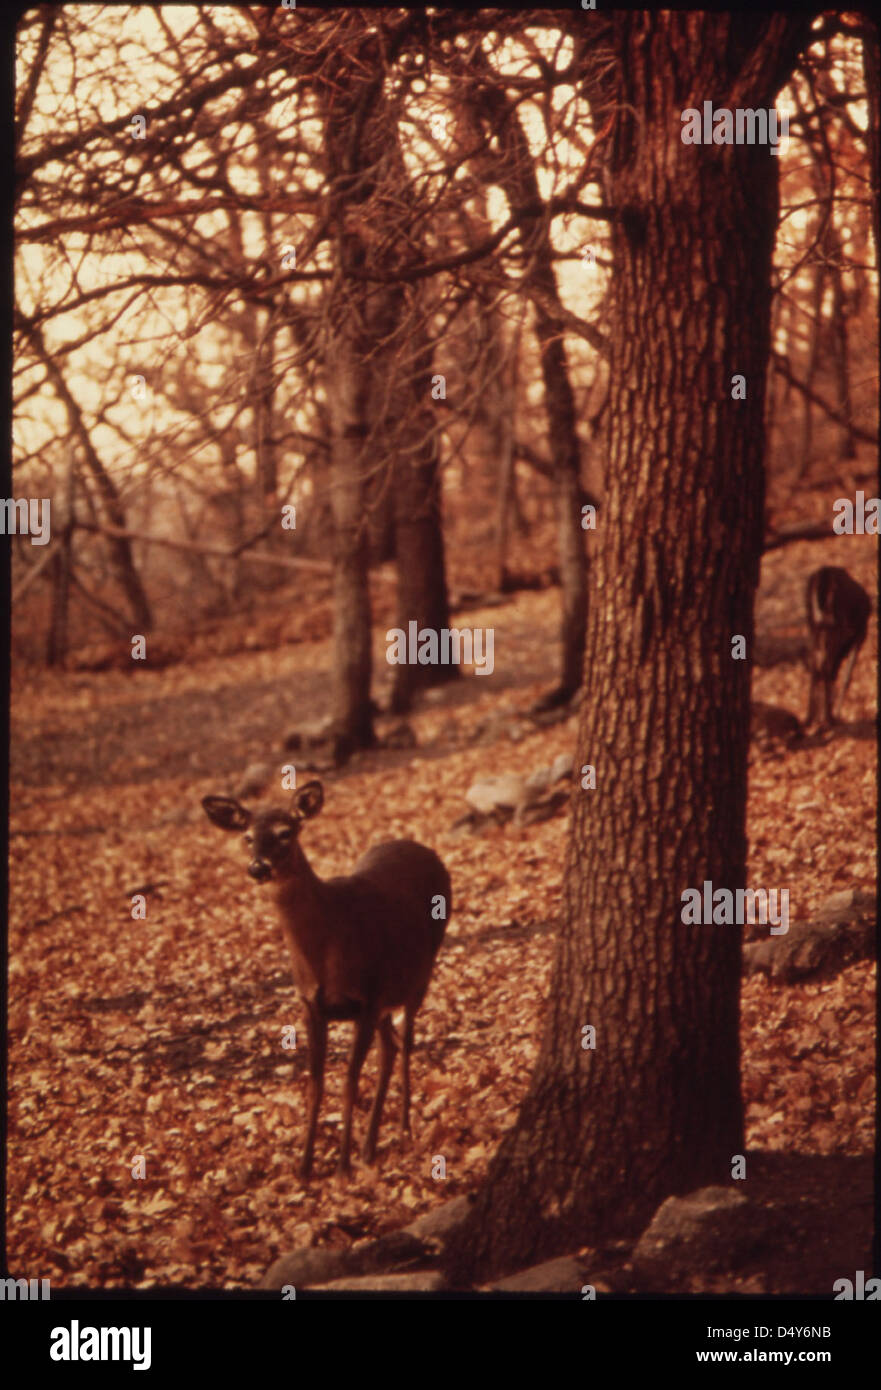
838, 620
360, 946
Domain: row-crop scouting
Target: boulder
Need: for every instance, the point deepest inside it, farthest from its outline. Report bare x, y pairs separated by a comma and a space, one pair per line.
504, 792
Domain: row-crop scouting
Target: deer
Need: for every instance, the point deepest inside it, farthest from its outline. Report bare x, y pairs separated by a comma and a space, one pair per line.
838, 611
361, 946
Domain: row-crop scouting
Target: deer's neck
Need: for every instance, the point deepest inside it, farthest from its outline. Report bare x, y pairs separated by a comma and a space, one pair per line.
301, 895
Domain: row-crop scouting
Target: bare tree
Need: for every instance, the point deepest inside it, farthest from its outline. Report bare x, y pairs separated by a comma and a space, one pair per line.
606, 1132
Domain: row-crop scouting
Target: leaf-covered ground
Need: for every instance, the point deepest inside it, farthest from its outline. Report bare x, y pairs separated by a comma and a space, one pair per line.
162, 1037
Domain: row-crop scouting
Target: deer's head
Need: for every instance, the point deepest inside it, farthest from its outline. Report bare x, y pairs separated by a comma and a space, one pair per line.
272, 834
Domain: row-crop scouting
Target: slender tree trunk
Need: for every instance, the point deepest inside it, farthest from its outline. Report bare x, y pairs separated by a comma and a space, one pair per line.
515, 173
119, 547
847, 447
871, 64
378, 389
349, 342
380, 502
505, 437
347, 386
57, 641
607, 1131
419, 550
815, 337
264, 425
351, 709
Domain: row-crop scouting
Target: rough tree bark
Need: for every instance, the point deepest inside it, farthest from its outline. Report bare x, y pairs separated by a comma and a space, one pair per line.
605, 1134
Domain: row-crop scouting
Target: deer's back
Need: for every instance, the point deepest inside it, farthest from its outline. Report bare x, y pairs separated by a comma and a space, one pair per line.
413, 876
375, 937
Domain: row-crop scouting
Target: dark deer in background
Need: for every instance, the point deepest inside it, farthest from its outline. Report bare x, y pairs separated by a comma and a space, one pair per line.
360, 946
838, 619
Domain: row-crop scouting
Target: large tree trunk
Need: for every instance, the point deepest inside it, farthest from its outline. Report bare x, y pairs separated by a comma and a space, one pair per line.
606, 1133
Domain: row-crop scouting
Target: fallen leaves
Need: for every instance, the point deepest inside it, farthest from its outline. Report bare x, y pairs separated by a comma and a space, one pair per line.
163, 1037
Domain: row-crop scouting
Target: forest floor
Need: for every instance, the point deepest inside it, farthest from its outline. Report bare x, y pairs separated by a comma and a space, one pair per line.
162, 1038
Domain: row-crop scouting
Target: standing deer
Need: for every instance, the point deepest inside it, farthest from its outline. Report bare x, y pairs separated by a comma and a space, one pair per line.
838, 619
360, 946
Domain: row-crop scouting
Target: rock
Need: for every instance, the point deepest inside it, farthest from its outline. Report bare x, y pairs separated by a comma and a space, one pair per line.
372, 1263
395, 1250
310, 736
496, 793
841, 931
417, 1281
562, 1275
711, 1229
439, 1223
562, 766
538, 782
305, 1268
850, 903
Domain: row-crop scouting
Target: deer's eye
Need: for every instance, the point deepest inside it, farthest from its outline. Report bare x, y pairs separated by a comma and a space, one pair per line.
285, 834
248, 839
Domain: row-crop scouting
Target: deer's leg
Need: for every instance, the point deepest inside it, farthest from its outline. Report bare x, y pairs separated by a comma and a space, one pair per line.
848, 672
316, 1025
406, 1049
389, 1047
809, 717
828, 720
365, 1027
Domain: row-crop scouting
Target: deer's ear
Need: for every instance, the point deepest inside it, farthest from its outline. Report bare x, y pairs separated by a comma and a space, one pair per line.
226, 812
307, 801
